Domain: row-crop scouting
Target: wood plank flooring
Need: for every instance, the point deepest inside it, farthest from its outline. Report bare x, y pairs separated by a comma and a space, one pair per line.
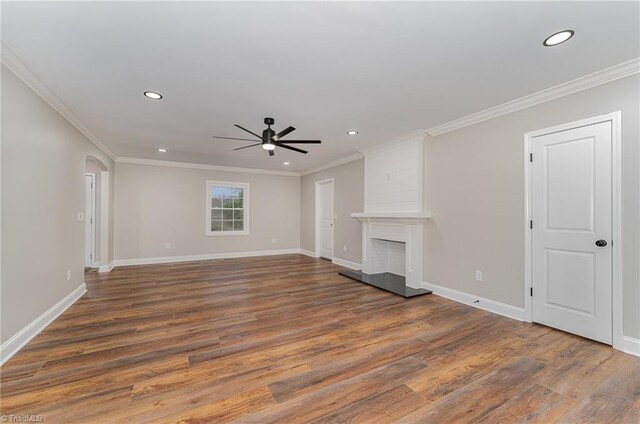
285, 339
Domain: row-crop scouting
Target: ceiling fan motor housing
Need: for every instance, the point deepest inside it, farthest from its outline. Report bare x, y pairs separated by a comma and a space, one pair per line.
268, 134
269, 121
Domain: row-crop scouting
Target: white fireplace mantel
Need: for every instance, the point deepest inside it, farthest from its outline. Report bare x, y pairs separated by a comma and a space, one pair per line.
391, 216
393, 220
407, 228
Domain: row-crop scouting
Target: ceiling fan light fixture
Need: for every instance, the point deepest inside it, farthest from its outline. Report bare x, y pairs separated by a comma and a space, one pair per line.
558, 38
153, 95
269, 146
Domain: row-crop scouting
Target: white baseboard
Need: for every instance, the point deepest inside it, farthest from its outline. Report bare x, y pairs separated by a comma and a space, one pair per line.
105, 268
488, 305
208, 256
307, 253
17, 342
631, 345
347, 264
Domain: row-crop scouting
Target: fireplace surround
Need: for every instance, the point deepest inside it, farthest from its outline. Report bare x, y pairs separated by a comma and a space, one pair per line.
393, 220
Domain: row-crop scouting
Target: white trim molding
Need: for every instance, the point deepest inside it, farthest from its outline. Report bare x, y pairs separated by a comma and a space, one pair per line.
395, 143
308, 253
105, 268
205, 257
631, 345
349, 158
22, 71
105, 221
189, 165
347, 264
616, 216
488, 305
604, 76
17, 342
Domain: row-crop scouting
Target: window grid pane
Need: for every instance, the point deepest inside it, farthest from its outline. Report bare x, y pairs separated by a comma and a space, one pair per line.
227, 209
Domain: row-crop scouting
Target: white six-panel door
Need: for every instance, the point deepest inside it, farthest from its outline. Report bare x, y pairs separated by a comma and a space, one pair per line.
572, 228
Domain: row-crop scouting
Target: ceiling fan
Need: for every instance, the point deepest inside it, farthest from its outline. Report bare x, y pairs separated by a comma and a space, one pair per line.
269, 139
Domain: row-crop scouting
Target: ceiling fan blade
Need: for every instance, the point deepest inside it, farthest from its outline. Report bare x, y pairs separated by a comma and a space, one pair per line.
233, 138
271, 153
250, 132
250, 145
300, 141
295, 149
283, 133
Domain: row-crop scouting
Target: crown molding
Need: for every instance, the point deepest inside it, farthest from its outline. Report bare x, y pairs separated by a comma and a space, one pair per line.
190, 165
394, 143
346, 159
22, 71
604, 76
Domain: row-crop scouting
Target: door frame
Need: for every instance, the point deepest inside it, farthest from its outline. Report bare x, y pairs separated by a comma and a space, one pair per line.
616, 216
318, 214
93, 263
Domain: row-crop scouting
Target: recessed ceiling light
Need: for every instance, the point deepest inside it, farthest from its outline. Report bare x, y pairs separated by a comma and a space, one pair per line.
162, 150
352, 132
153, 95
558, 38
286, 164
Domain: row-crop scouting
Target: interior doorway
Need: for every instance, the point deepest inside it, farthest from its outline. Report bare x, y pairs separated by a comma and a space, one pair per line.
324, 219
97, 221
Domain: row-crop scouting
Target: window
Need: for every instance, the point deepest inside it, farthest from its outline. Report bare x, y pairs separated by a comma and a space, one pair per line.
227, 208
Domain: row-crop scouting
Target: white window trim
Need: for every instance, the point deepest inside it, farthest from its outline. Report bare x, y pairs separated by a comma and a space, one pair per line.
245, 187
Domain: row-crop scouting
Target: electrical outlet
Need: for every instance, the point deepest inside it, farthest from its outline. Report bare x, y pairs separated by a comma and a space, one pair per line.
344, 248
273, 241
478, 275
68, 275
167, 245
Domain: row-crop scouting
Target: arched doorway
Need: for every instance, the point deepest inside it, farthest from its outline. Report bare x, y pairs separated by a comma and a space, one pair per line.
96, 215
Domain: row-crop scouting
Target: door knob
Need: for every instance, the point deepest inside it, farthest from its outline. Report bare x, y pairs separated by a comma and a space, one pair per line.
601, 243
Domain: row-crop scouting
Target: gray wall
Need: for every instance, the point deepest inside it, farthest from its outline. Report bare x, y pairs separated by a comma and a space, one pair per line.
43, 167
348, 197
155, 205
474, 188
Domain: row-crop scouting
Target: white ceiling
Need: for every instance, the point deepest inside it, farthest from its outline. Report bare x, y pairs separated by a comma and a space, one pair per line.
384, 69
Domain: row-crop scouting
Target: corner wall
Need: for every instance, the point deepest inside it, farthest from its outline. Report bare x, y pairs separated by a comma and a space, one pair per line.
349, 197
474, 188
43, 189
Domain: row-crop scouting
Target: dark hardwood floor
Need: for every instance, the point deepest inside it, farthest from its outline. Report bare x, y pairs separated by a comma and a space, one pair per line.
286, 339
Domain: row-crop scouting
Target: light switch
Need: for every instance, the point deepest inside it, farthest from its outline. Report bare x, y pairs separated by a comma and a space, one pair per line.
80, 216
478, 275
